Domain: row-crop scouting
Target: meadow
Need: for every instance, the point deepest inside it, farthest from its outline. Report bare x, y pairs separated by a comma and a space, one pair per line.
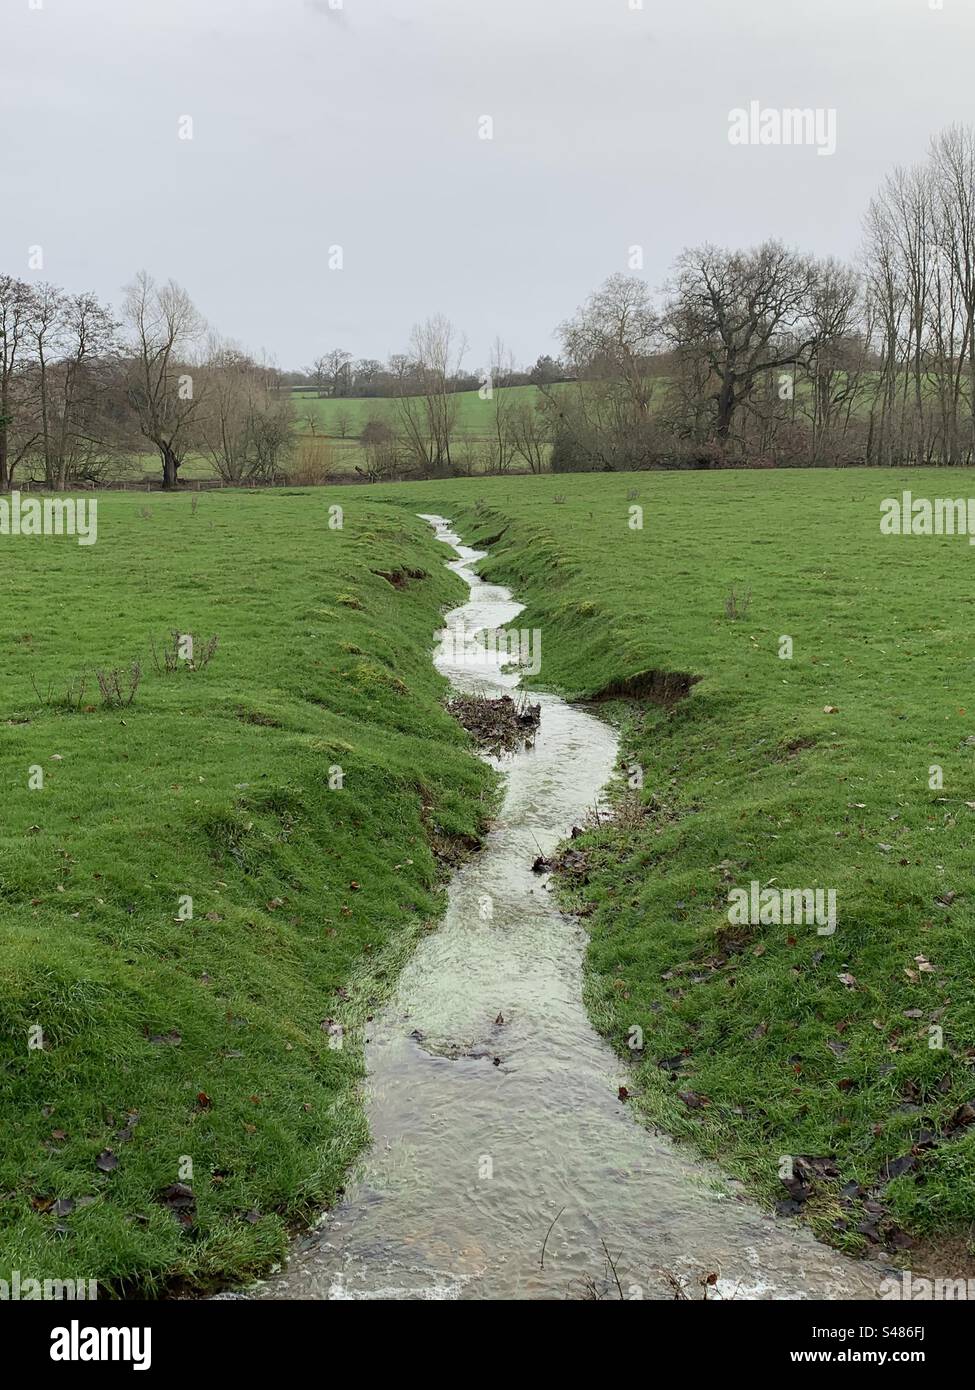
180, 1079
474, 414
328, 433
214, 1039
764, 1043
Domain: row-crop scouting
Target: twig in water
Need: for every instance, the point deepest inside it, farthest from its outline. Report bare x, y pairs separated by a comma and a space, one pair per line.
541, 1263
612, 1264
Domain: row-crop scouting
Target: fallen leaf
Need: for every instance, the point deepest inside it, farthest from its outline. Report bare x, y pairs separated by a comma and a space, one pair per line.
692, 1100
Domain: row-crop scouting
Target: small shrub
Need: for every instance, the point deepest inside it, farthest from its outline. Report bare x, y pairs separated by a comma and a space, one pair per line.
72, 698
118, 687
736, 605
170, 658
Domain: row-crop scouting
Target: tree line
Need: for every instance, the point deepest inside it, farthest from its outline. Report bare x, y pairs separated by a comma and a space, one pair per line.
80, 388
760, 356
337, 375
768, 356
757, 356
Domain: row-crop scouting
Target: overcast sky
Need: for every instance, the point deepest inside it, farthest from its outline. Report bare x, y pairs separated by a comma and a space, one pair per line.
359, 126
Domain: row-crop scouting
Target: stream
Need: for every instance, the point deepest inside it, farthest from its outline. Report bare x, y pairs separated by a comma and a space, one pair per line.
487, 1132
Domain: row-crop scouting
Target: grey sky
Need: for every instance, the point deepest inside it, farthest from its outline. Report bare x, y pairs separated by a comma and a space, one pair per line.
359, 127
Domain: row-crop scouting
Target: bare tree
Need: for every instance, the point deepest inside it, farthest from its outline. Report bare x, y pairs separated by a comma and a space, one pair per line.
382, 450
18, 430
603, 421
248, 426
920, 273
165, 328
613, 337
426, 407
74, 340
531, 434
837, 370
953, 194
886, 300
332, 373
224, 428
504, 403
745, 314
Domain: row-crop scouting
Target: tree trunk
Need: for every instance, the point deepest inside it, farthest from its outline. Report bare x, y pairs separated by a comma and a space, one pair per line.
726, 408
170, 465
4, 439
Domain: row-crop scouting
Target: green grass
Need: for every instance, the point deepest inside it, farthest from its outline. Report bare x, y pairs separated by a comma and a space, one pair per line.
343, 454
214, 784
474, 416
750, 778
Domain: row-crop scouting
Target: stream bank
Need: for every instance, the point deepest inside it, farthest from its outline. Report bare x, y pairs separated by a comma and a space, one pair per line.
503, 1164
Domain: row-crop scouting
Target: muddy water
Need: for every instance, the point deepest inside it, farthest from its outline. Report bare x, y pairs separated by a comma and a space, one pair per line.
484, 1132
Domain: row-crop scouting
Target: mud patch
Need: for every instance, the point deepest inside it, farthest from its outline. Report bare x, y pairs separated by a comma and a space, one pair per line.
795, 746
656, 687
400, 578
258, 717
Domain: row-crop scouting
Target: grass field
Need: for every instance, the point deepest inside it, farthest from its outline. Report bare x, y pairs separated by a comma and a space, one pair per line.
804, 772
204, 1052
808, 772
474, 418
319, 429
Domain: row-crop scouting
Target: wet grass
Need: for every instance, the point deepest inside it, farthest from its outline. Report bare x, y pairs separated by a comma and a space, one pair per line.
306, 789
806, 772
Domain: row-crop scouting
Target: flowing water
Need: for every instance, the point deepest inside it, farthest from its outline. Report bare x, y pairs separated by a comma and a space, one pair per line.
485, 1132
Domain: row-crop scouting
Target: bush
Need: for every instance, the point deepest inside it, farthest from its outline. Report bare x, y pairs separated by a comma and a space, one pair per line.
312, 464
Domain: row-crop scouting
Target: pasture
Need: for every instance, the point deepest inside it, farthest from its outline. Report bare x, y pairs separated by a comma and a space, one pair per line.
819, 770
308, 792
180, 1078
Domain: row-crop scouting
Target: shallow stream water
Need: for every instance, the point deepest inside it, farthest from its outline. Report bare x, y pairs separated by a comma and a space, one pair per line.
487, 1132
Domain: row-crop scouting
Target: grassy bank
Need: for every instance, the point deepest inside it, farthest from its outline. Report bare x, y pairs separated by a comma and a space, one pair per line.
305, 789
765, 1041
